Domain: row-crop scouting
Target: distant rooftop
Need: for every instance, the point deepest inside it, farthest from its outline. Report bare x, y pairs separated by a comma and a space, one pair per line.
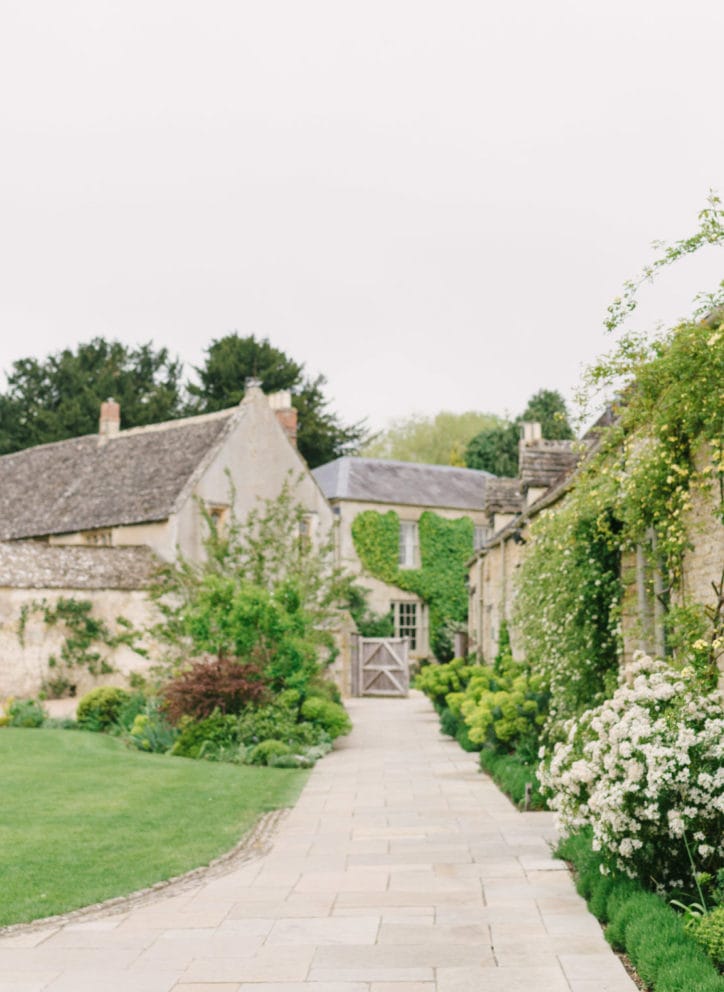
378, 480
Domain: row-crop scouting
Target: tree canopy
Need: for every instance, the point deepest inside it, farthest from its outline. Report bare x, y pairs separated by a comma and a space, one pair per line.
231, 360
496, 448
438, 440
59, 397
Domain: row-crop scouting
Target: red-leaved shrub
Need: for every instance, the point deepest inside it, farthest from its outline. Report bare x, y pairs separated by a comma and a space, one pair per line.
218, 683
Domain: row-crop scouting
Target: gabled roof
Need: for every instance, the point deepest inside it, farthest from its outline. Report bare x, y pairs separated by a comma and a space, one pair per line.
135, 476
377, 480
32, 565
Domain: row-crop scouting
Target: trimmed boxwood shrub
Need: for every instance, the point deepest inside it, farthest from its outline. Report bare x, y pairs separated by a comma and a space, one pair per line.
330, 716
99, 709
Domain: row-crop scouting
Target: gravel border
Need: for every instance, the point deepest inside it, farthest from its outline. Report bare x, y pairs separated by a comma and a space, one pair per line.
254, 844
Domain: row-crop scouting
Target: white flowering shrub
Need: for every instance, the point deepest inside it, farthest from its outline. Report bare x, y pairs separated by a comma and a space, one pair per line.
645, 771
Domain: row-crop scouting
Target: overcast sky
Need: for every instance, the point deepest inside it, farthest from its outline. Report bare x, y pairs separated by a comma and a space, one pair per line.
432, 203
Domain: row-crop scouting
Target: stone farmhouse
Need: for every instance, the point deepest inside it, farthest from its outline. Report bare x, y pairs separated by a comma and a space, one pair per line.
90, 518
353, 485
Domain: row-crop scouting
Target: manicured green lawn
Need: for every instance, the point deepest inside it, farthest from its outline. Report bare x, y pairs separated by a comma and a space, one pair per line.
83, 819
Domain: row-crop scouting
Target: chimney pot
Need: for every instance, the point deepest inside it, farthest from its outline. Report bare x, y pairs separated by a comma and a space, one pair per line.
110, 420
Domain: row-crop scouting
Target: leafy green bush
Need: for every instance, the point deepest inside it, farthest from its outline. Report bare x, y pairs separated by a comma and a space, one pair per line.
325, 689
708, 932
25, 713
437, 681
151, 731
204, 738
512, 775
641, 924
135, 704
330, 716
264, 751
98, 710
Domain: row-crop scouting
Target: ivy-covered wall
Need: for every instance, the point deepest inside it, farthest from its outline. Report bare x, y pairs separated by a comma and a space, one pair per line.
445, 547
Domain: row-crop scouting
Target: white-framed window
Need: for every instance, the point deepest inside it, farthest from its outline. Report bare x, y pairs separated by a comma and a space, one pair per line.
406, 617
409, 556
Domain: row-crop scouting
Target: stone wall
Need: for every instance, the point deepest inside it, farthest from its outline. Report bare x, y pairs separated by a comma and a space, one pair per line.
24, 666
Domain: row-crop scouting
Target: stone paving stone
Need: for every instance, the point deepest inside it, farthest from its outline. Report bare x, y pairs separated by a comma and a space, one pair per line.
533, 979
28, 938
277, 964
474, 934
303, 987
402, 987
23, 981
206, 987
593, 967
331, 930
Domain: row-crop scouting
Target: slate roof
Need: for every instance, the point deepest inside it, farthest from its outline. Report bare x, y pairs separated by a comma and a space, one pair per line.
377, 480
503, 496
137, 476
32, 565
541, 463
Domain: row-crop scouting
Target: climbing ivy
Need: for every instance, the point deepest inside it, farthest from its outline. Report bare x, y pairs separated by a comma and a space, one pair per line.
445, 547
85, 636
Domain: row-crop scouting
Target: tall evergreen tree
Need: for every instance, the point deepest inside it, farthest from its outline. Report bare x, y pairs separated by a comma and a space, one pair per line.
321, 436
59, 397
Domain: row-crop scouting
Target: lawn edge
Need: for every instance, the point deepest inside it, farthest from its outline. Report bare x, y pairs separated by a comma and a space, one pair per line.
253, 844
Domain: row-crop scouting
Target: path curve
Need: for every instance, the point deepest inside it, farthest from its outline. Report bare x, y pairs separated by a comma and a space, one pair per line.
400, 869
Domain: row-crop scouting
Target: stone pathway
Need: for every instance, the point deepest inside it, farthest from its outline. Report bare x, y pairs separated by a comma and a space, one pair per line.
401, 869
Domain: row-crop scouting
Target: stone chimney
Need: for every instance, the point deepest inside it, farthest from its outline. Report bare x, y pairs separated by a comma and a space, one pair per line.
532, 432
110, 420
281, 404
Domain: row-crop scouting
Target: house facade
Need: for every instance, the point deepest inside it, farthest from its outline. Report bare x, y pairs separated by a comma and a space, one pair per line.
92, 517
358, 485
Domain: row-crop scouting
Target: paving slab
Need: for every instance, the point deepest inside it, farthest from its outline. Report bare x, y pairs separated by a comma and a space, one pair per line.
401, 868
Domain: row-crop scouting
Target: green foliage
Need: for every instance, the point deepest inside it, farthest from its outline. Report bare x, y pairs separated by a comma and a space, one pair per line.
230, 360
445, 547
708, 932
27, 713
265, 751
279, 721
496, 448
100, 708
641, 924
331, 717
511, 774
438, 681
504, 708
368, 623
60, 397
709, 232
150, 730
262, 597
204, 738
568, 605
438, 440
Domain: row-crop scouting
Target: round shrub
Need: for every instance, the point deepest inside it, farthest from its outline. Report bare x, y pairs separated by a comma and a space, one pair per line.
708, 930
98, 709
266, 750
25, 713
196, 736
330, 716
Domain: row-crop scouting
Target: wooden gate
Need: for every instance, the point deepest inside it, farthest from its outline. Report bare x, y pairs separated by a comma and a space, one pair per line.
380, 666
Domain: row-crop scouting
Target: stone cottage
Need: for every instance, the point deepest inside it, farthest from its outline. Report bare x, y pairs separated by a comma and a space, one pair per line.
354, 485
91, 517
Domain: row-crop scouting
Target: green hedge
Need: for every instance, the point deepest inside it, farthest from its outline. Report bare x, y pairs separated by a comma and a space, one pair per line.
642, 925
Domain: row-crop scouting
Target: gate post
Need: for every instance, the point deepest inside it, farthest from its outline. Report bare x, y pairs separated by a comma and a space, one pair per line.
354, 667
